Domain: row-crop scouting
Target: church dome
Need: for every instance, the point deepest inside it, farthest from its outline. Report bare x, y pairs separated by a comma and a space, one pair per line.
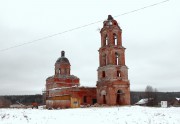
62, 59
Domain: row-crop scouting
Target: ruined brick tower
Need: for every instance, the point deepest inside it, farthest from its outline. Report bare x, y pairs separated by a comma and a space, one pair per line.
113, 84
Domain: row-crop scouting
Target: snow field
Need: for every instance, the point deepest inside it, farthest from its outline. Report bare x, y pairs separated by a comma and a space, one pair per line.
105, 115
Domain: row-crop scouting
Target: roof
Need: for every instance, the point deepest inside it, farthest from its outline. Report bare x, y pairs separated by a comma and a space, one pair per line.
110, 17
50, 77
63, 77
178, 99
143, 101
62, 59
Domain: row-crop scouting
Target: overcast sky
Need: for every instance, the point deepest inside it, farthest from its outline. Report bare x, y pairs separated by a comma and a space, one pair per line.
151, 36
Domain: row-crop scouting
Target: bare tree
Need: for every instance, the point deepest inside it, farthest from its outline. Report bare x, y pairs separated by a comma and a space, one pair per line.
151, 95
155, 96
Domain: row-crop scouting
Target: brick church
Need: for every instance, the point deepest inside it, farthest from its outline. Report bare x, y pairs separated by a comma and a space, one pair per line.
63, 89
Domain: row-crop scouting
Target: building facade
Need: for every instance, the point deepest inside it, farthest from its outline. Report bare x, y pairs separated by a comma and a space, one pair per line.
113, 88
63, 89
113, 84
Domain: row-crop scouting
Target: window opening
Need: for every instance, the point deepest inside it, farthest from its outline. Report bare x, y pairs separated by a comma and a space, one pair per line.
103, 74
104, 99
118, 74
106, 40
115, 39
59, 71
116, 59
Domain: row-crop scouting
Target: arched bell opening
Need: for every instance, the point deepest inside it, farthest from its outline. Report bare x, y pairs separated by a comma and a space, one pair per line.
115, 39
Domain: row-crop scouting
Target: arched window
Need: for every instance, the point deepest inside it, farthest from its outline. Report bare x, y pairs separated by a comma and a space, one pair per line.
103, 74
118, 74
116, 59
115, 39
106, 40
59, 71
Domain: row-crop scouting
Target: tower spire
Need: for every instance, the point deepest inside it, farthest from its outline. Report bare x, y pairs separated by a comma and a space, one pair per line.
62, 54
110, 17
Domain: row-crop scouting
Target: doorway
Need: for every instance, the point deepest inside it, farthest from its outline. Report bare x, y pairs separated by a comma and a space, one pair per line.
104, 99
119, 97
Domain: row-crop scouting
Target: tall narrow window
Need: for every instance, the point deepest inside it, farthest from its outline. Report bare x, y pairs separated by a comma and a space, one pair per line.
104, 99
118, 74
103, 74
106, 38
116, 59
59, 71
115, 39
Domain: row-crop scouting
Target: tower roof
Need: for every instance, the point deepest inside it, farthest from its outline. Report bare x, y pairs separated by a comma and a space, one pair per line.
110, 17
109, 23
62, 59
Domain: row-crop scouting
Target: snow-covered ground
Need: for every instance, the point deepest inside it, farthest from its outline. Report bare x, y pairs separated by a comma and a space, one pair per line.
106, 115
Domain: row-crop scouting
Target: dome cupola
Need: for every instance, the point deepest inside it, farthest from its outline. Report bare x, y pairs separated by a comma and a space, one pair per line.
62, 65
62, 59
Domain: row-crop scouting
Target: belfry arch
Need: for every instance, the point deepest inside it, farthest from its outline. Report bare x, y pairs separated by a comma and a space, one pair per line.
105, 40
115, 39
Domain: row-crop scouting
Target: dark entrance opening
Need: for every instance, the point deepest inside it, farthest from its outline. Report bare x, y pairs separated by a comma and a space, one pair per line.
94, 101
104, 99
118, 98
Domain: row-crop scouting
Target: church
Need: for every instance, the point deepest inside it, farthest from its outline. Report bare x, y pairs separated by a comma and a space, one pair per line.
63, 89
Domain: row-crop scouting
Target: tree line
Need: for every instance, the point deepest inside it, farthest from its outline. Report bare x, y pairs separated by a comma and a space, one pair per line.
154, 97
6, 101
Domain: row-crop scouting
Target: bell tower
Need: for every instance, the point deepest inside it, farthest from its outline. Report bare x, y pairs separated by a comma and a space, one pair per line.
113, 84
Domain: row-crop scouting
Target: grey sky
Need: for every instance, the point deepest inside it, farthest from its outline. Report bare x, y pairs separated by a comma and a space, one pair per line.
151, 37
